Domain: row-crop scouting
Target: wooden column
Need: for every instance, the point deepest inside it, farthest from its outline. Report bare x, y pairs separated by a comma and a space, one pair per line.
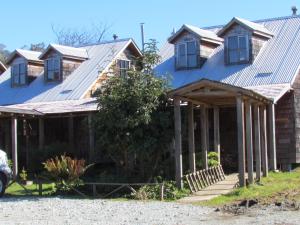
217, 132
204, 136
191, 138
257, 142
14, 135
272, 136
178, 143
91, 138
264, 145
41, 133
248, 111
241, 139
71, 132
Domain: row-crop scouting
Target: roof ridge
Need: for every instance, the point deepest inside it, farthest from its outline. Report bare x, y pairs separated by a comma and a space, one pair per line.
106, 42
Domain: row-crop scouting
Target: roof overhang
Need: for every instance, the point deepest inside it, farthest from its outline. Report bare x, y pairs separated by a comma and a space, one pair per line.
215, 93
2, 66
19, 53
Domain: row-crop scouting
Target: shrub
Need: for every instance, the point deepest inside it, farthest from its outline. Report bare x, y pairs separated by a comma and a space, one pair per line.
213, 159
65, 171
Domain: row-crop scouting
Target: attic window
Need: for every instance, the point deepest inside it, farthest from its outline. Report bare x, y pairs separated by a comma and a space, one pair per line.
18, 74
237, 49
186, 55
123, 66
53, 69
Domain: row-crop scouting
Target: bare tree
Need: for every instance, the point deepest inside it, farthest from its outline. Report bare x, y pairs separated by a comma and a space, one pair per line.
79, 37
39, 47
3, 53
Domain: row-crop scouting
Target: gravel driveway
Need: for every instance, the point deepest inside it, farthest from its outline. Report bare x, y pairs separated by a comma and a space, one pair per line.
75, 211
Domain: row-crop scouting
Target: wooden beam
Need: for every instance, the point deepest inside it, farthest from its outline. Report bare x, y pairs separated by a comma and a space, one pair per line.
14, 135
257, 142
71, 132
272, 136
41, 133
191, 138
249, 141
210, 94
178, 143
241, 139
264, 145
196, 102
217, 146
91, 138
204, 134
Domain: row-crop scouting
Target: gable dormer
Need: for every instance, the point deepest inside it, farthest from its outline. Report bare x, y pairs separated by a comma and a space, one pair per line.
60, 61
25, 67
193, 46
243, 40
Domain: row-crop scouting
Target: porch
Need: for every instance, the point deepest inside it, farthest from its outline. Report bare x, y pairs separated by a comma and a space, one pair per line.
255, 127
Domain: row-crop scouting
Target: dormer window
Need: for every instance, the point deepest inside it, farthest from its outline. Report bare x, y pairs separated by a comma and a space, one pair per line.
187, 55
237, 49
18, 74
53, 69
123, 66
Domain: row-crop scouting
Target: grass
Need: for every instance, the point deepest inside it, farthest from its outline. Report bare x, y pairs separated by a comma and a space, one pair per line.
15, 190
274, 188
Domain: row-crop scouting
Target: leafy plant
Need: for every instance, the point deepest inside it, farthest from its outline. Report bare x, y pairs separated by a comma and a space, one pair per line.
65, 171
213, 159
23, 175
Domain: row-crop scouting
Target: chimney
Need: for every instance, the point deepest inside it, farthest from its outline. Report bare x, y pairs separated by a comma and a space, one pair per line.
294, 10
115, 37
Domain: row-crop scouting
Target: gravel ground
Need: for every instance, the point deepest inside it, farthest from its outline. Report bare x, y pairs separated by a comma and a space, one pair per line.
74, 211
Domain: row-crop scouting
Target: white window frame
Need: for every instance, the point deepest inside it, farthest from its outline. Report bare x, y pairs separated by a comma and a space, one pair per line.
19, 74
185, 43
238, 49
53, 70
123, 71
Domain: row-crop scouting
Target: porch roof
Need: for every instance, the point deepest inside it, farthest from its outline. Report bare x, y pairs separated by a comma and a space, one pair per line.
50, 108
210, 92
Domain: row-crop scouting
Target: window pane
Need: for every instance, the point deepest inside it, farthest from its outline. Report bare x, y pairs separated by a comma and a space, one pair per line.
22, 79
191, 47
56, 64
232, 42
50, 75
181, 62
22, 68
192, 61
15, 70
243, 55
233, 56
16, 79
181, 49
242, 42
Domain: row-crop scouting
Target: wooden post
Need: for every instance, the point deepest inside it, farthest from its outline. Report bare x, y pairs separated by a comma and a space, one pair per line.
249, 142
204, 134
191, 138
257, 142
241, 139
264, 145
272, 136
41, 133
162, 187
71, 132
217, 132
91, 138
178, 143
14, 135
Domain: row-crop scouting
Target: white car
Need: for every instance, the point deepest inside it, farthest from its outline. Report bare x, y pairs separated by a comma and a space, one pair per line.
5, 172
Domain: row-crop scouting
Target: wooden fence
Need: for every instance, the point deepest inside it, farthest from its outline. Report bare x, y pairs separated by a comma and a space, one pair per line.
204, 178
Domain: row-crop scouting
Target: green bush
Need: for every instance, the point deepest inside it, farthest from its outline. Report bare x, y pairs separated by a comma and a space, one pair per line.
65, 171
213, 159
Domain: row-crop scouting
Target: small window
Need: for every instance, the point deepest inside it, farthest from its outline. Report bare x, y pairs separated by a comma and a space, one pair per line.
53, 69
187, 55
237, 49
18, 74
124, 66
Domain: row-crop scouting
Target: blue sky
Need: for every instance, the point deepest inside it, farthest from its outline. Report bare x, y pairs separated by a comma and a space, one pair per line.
30, 21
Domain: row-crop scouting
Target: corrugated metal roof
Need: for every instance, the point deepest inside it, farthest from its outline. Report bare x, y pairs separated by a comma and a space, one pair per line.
198, 31
27, 54
67, 51
73, 87
277, 63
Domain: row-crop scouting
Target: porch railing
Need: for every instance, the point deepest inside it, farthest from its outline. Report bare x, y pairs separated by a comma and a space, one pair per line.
204, 178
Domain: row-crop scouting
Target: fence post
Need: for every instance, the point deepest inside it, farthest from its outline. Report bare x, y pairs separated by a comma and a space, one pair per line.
162, 191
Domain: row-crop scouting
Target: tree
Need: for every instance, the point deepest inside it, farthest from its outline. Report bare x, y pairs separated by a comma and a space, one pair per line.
39, 47
79, 37
134, 121
3, 53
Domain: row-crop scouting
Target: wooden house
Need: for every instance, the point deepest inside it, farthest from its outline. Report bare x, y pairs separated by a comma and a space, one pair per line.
47, 96
241, 83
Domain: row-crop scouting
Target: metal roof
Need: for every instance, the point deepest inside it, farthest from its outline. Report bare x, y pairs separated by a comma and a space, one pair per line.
66, 51
199, 32
27, 54
74, 87
277, 62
